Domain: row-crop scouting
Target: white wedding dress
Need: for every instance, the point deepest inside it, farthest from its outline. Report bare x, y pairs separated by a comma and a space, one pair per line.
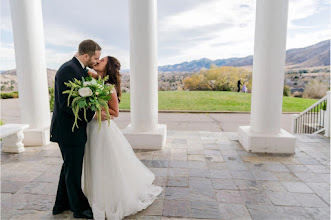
115, 182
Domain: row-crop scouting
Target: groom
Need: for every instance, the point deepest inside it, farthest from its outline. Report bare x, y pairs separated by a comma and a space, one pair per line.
72, 144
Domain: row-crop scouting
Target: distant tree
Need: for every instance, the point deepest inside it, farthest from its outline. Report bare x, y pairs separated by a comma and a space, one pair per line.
297, 94
286, 91
223, 78
51, 92
303, 71
191, 82
315, 89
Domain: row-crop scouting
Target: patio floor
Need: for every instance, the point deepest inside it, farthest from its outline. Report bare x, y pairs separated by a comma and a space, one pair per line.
205, 175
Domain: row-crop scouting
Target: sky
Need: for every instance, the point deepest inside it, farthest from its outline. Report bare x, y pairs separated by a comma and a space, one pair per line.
187, 29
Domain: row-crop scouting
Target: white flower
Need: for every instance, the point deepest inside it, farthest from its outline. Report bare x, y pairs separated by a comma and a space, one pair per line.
87, 83
93, 82
85, 91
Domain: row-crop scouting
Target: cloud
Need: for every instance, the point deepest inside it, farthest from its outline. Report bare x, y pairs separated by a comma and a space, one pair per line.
7, 56
299, 9
216, 29
298, 40
66, 36
62, 47
233, 29
305, 27
55, 58
187, 29
61, 44
5, 24
122, 55
210, 13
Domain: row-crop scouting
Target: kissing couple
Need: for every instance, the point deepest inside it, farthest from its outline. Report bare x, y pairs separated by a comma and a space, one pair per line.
101, 177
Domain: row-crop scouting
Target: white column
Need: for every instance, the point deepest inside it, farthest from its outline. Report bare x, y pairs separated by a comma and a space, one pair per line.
264, 133
28, 33
144, 132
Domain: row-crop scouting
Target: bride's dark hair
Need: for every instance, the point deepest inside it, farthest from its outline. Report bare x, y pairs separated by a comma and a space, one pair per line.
113, 67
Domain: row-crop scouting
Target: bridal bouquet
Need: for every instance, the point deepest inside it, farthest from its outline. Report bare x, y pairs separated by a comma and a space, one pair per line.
89, 93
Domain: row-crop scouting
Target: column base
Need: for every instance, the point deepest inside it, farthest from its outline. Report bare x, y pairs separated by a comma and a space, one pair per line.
37, 137
284, 142
151, 140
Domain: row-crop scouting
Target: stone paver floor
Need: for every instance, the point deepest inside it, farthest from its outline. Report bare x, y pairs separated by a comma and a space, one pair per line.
205, 175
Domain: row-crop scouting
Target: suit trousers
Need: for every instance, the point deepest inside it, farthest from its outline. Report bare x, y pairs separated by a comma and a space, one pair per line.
69, 192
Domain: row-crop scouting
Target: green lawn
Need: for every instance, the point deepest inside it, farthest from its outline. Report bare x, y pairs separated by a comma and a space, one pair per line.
215, 101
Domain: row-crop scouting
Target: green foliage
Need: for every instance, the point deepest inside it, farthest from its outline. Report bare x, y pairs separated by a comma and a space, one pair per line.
324, 104
51, 97
216, 78
286, 91
9, 95
291, 72
97, 99
224, 87
316, 70
303, 71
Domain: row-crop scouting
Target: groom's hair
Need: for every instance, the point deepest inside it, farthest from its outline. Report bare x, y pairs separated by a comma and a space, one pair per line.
88, 47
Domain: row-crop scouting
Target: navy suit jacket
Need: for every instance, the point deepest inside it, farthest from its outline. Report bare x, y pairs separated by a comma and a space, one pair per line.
63, 117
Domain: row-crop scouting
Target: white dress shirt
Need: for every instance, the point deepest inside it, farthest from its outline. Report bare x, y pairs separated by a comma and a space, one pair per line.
80, 63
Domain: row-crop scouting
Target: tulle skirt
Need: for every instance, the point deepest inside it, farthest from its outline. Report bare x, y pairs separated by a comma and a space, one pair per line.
115, 182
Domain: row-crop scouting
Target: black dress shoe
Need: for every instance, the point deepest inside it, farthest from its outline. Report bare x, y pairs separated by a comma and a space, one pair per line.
59, 209
88, 214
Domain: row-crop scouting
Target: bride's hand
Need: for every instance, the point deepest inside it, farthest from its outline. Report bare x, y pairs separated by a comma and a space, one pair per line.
104, 116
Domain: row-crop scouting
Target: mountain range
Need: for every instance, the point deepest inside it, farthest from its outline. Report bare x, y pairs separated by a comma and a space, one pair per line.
312, 56
316, 55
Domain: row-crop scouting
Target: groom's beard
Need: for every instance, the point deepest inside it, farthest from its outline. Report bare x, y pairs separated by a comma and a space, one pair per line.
90, 64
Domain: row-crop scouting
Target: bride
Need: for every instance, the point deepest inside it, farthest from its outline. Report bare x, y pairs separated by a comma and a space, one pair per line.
115, 182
